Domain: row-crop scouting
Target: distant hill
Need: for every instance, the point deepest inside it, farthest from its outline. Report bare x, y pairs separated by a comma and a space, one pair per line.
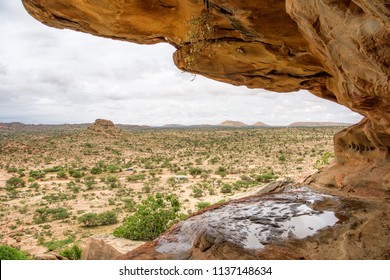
132, 126
232, 123
317, 124
173, 125
17, 126
259, 124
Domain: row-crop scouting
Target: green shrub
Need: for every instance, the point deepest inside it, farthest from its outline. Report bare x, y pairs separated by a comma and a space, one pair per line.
15, 182
12, 170
136, 177
226, 188
93, 219
197, 192
62, 174
38, 174
111, 179
282, 158
324, 160
221, 171
195, 171
58, 244
89, 219
9, 253
96, 170
53, 169
266, 177
154, 216
34, 186
49, 214
72, 253
146, 188
202, 204
76, 174
114, 168
107, 218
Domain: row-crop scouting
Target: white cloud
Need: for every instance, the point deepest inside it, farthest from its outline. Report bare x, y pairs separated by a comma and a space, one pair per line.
60, 76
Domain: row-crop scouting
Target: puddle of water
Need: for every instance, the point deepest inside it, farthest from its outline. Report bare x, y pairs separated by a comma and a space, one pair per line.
306, 225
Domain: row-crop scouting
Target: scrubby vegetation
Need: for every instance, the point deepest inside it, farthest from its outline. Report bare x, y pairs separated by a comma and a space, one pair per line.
58, 187
9, 253
72, 253
154, 215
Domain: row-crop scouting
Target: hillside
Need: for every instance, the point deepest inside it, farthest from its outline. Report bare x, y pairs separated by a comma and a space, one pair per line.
259, 124
232, 123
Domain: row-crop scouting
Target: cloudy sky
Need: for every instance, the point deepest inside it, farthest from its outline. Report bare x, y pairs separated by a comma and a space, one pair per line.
61, 76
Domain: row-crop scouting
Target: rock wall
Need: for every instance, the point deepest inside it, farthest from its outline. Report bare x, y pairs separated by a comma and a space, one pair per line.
338, 50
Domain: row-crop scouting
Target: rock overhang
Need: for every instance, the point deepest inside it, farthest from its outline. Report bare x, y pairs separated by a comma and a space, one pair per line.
338, 50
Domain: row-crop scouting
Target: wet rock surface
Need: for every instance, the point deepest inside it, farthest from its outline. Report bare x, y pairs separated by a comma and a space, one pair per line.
253, 223
297, 223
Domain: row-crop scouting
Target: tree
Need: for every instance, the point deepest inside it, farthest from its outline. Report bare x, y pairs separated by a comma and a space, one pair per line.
154, 216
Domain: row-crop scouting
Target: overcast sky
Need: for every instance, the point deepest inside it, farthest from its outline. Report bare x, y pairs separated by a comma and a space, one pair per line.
61, 76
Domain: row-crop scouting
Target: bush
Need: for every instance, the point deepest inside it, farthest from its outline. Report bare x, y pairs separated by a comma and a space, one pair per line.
62, 174
96, 170
114, 168
89, 219
9, 253
221, 171
282, 158
202, 204
195, 171
111, 179
197, 192
146, 188
72, 253
38, 174
107, 218
12, 170
226, 188
76, 174
57, 244
136, 177
15, 182
49, 214
154, 216
53, 169
266, 177
324, 160
93, 219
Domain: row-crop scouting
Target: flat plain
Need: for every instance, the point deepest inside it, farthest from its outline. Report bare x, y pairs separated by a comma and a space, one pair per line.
51, 178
